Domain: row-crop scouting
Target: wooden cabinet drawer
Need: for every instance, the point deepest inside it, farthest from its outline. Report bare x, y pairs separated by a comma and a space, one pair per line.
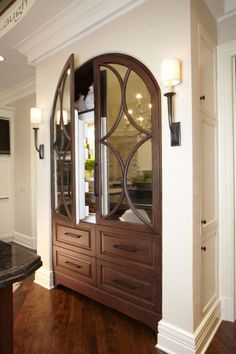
138, 287
128, 247
75, 265
75, 237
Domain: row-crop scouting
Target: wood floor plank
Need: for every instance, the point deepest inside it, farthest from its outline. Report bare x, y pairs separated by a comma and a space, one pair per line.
61, 321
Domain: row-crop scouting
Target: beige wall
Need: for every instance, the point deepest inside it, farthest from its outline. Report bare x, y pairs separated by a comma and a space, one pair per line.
23, 168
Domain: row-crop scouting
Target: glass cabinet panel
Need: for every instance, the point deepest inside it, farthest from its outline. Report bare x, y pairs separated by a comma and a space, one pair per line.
125, 146
62, 144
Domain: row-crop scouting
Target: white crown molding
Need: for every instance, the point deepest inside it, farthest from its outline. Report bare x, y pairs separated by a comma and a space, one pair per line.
76, 21
227, 15
24, 89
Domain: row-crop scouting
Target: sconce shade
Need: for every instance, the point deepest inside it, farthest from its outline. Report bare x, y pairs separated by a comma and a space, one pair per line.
170, 72
35, 115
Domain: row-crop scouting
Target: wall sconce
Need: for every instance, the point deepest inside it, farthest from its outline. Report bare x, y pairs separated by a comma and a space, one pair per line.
36, 117
170, 77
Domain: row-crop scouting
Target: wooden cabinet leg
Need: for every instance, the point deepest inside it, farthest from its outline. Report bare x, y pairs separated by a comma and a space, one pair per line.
6, 320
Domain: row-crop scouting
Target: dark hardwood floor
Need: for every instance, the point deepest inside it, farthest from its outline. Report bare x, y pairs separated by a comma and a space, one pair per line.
61, 321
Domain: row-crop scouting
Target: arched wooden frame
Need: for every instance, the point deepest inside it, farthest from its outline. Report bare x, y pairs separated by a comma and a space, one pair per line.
68, 133
106, 61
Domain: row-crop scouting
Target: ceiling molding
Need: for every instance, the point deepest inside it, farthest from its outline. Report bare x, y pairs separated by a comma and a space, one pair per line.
22, 90
73, 23
227, 15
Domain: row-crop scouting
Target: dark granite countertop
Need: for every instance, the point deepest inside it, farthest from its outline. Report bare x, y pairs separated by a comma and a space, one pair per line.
16, 263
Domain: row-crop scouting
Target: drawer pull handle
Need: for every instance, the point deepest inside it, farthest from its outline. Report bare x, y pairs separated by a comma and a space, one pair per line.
72, 235
203, 222
125, 248
203, 248
125, 284
73, 264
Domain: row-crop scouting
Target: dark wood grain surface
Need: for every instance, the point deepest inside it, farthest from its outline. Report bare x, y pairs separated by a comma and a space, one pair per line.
61, 321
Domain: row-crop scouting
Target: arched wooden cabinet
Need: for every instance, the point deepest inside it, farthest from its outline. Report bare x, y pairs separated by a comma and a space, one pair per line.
106, 184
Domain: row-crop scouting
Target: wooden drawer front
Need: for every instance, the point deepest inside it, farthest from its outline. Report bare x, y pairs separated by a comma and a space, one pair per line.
137, 287
75, 265
137, 250
72, 236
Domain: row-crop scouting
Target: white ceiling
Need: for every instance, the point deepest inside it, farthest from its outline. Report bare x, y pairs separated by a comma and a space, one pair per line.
15, 70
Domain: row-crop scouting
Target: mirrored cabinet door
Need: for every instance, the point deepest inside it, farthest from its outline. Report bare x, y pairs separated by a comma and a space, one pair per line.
62, 143
127, 142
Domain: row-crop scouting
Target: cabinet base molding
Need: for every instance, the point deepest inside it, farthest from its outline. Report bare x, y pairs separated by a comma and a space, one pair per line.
227, 309
44, 277
174, 340
134, 311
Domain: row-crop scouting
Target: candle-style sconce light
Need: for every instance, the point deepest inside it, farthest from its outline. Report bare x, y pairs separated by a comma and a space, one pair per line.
170, 77
36, 117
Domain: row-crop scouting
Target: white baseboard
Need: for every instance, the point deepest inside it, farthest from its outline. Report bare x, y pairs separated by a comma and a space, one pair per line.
227, 309
6, 238
174, 340
24, 240
44, 277
208, 328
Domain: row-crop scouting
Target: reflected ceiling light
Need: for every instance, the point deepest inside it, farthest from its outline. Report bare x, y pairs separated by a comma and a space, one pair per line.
2, 58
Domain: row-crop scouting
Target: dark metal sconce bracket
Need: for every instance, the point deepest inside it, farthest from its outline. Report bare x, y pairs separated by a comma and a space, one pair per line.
39, 148
175, 131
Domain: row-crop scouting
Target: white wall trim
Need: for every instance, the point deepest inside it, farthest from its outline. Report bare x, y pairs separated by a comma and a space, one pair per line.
24, 89
76, 21
44, 277
208, 327
6, 237
174, 340
227, 15
24, 240
226, 52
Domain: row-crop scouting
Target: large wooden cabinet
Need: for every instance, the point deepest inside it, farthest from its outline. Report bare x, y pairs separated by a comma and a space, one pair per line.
106, 184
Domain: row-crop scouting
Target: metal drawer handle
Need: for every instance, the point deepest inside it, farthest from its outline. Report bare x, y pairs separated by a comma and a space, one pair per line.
73, 264
203, 222
125, 284
4, 198
125, 248
202, 98
72, 235
203, 248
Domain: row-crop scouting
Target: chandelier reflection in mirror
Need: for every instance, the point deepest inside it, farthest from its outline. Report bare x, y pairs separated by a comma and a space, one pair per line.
140, 112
